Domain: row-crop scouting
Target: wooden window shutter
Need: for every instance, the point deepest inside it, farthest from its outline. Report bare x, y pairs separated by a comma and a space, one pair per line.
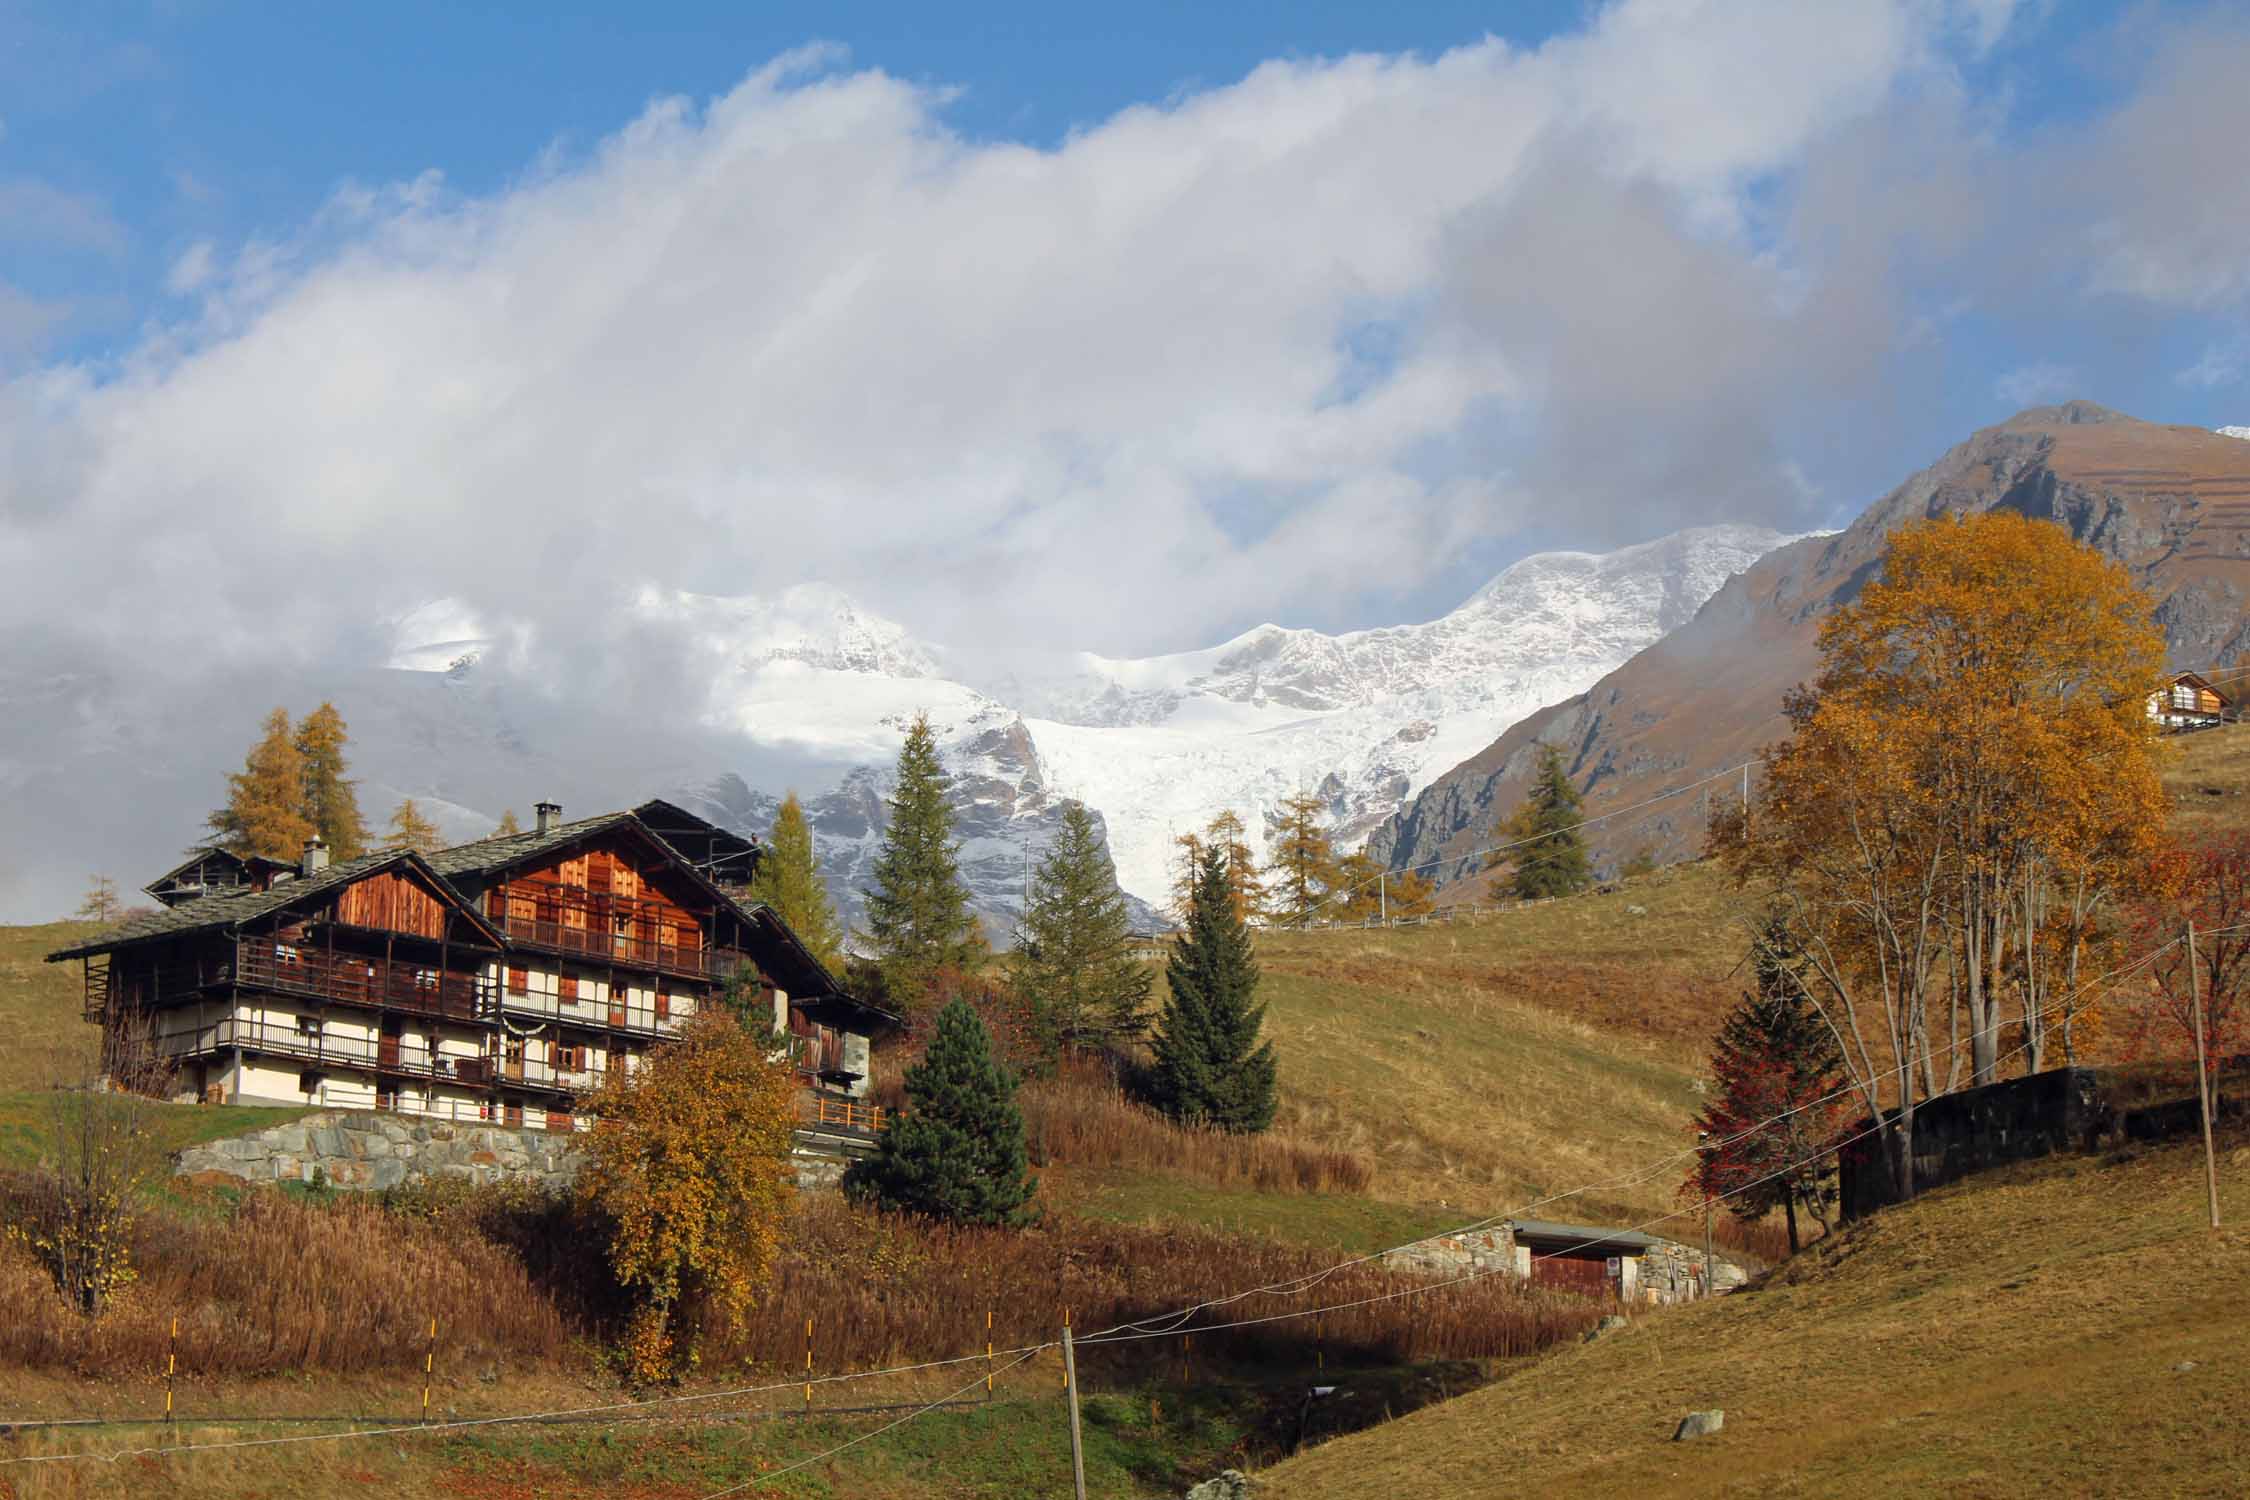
568, 987
663, 1003
519, 981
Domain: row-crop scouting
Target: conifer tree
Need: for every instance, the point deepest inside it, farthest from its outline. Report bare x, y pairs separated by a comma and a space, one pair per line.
331, 802
1073, 958
264, 814
958, 1151
1302, 870
1775, 1108
789, 881
1379, 892
101, 903
411, 830
508, 826
1548, 856
1187, 861
918, 916
1210, 1067
1408, 893
1225, 837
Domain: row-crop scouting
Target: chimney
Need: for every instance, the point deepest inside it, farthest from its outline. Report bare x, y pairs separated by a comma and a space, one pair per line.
549, 815
315, 858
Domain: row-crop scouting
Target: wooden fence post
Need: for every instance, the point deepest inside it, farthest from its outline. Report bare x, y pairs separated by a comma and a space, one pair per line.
171, 1367
2202, 1089
429, 1367
1077, 1446
808, 1367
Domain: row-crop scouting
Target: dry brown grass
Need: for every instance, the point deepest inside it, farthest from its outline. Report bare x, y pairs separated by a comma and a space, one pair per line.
2208, 775
278, 1285
1081, 1117
2018, 1333
41, 1006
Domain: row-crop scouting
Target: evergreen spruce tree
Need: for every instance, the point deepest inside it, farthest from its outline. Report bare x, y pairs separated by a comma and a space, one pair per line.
1302, 870
1772, 1118
1073, 959
331, 798
958, 1151
264, 814
1548, 857
1210, 1067
918, 916
788, 880
411, 830
508, 825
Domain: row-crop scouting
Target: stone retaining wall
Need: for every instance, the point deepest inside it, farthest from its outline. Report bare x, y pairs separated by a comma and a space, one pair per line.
362, 1151
1666, 1272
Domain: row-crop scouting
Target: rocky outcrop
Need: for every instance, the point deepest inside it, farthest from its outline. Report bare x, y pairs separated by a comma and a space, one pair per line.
360, 1151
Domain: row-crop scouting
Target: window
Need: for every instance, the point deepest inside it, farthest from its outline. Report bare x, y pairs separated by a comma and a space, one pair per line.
513, 1115
309, 1025
570, 1059
568, 989
512, 1051
663, 1003
519, 981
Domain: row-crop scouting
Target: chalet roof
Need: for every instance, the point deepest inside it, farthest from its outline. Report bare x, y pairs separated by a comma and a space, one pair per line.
233, 908
1545, 1233
203, 853
677, 826
488, 856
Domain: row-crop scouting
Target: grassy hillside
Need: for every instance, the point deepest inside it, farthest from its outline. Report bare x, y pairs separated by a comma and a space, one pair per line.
2071, 1327
1510, 1056
47, 1041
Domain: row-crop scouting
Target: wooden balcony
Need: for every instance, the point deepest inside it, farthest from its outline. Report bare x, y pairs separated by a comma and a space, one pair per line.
418, 989
591, 941
389, 1056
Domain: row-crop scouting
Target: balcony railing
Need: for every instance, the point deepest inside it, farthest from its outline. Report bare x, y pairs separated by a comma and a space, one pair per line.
389, 1055
594, 941
598, 1014
375, 982
829, 1112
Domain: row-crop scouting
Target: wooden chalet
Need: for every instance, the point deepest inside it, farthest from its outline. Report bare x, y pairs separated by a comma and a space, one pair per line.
2188, 701
500, 980
211, 871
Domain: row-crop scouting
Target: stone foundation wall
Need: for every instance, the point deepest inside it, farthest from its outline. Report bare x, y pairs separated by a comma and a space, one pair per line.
361, 1151
1667, 1272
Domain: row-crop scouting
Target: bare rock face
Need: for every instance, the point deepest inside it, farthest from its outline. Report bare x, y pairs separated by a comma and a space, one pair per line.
1699, 1424
2166, 502
1232, 1484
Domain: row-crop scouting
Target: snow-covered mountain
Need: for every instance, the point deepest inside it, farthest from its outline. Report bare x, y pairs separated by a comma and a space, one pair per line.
813, 691
727, 703
2240, 432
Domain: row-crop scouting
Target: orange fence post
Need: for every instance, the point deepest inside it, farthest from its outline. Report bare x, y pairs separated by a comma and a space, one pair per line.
988, 1354
429, 1365
808, 1367
171, 1366
1066, 1334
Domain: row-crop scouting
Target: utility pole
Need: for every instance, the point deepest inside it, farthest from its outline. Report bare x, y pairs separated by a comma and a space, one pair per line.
1383, 897
1708, 1202
2202, 1089
1746, 799
1077, 1445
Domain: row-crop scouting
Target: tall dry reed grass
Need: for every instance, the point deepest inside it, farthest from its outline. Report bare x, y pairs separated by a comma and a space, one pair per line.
280, 1285
1082, 1117
884, 1290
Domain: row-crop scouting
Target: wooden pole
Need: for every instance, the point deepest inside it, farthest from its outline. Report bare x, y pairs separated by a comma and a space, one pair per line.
1077, 1444
808, 1367
171, 1366
2202, 1088
429, 1367
1066, 1344
988, 1354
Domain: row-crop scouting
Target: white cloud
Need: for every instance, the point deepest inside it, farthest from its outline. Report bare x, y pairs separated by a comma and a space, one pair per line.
193, 270
2221, 364
2036, 384
36, 213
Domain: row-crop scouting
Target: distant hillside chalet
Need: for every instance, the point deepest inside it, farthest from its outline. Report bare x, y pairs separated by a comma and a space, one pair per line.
495, 981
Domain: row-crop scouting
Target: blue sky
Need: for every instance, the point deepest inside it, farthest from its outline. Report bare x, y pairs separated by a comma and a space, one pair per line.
1765, 297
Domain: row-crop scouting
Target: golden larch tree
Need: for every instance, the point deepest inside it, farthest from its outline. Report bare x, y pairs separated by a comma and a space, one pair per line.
331, 797
411, 829
1301, 868
264, 813
1969, 782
